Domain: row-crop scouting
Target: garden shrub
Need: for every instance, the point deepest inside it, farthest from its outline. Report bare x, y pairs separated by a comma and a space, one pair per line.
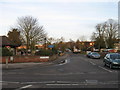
6, 52
44, 52
118, 51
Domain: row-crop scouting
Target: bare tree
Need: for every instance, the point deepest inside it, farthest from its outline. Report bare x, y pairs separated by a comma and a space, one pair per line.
51, 40
111, 32
77, 44
106, 34
82, 38
58, 40
93, 37
31, 31
98, 36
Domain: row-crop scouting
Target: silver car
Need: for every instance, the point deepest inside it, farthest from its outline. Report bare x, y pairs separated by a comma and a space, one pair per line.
93, 55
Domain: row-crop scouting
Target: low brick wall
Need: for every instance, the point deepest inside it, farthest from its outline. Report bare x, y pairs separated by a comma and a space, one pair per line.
20, 59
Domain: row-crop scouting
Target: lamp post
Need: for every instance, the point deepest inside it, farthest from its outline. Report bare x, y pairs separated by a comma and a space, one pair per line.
45, 39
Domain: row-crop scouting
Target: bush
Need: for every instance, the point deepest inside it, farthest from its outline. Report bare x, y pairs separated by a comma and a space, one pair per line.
118, 51
5, 52
43, 52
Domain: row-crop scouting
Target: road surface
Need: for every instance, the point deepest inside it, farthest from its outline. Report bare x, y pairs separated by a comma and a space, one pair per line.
74, 71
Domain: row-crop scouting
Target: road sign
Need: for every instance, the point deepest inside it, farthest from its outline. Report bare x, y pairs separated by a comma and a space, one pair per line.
50, 46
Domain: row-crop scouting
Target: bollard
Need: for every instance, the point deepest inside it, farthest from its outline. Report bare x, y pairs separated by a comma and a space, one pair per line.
11, 59
6, 62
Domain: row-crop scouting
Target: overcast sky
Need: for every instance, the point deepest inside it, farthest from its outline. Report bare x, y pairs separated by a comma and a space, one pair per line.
70, 19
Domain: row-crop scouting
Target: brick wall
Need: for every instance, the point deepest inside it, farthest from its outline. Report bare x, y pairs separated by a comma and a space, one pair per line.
19, 59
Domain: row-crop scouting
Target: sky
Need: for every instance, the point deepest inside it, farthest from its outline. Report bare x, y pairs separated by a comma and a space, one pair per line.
70, 19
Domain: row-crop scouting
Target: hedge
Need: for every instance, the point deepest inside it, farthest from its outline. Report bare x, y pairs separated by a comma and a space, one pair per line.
44, 52
5, 52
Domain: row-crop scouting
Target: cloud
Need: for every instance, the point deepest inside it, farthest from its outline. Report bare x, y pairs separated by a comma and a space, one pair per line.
57, 1
58, 19
74, 18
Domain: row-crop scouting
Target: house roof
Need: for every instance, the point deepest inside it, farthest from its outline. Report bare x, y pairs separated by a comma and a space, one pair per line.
5, 41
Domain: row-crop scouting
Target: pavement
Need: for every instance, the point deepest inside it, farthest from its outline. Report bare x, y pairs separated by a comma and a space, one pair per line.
31, 64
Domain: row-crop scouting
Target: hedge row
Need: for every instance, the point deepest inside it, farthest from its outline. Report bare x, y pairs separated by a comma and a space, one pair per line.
5, 52
44, 52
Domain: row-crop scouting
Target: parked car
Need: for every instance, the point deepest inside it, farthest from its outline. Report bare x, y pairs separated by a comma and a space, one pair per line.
93, 55
112, 60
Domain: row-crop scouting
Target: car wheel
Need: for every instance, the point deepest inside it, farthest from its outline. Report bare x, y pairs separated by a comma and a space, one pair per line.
111, 66
104, 64
92, 57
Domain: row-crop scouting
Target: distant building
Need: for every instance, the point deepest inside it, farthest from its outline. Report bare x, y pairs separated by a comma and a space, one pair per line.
81, 45
40, 46
6, 42
87, 45
24, 47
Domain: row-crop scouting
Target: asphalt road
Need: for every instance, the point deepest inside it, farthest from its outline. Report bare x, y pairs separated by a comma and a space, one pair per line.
74, 71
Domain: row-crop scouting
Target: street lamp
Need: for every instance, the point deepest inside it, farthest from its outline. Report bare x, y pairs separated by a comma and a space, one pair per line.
45, 39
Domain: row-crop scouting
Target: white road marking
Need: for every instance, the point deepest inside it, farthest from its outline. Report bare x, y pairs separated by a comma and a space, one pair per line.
66, 61
68, 84
75, 73
59, 84
101, 67
44, 82
27, 86
105, 69
63, 81
61, 64
92, 81
92, 63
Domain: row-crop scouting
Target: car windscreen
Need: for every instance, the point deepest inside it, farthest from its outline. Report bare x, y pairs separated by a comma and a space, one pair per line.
115, 56
95, 53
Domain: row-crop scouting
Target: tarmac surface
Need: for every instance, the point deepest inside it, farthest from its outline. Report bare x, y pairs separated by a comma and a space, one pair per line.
29, 64
68, 71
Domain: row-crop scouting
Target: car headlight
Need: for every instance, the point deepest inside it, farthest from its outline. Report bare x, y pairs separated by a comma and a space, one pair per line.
115, 63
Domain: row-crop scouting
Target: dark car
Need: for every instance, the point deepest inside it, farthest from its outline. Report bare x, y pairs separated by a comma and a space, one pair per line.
112, 60
93, 55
